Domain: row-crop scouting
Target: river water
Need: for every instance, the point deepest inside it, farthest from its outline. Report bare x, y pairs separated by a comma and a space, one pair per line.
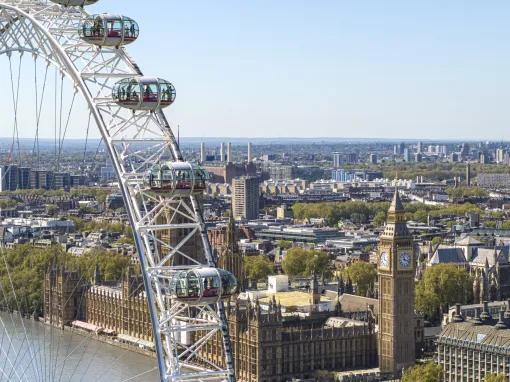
32, 351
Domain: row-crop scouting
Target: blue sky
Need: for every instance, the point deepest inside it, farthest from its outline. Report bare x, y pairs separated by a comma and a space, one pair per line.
329, 68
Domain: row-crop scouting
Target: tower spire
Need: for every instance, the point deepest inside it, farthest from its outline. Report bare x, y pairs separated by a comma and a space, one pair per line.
396, 203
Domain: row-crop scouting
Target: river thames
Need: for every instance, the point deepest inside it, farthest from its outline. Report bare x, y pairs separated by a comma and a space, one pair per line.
32, 351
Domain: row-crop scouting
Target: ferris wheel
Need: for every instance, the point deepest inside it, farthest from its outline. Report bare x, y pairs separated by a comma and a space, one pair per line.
184, 289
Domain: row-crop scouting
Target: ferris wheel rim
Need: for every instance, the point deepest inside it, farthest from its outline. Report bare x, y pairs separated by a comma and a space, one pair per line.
68, 68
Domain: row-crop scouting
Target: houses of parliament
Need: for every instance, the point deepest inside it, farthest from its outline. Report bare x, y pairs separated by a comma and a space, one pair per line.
270, 343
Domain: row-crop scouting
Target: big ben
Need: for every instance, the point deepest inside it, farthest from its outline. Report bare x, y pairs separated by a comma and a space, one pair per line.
396, 269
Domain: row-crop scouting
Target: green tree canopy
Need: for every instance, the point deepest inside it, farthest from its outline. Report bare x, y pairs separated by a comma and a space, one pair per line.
26, 266
379, 218
303, 262
257, 267
362, 274
427, 372
495, 378
466, 192
284, 244
441, 286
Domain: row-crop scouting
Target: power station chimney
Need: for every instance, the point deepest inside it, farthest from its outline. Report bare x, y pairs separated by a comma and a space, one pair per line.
202, 152
468, 174
222, 152
250, 158
229, 152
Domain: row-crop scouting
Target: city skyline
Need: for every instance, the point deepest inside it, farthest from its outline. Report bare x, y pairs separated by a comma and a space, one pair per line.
324, 70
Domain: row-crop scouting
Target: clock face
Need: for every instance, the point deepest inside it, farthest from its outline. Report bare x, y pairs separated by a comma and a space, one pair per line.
384, 260
404, 260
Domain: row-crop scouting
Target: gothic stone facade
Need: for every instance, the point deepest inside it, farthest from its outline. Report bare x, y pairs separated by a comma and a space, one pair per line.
270, 347
223, 241
120, 309
63, 296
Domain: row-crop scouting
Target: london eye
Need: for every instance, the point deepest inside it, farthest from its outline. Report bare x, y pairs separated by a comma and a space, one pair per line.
184, 290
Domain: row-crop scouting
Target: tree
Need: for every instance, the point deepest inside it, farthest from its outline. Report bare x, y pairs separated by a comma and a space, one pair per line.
495, 378
362, 274
294, 262
380, 218
257, 267
284, 244
427, 372
26, 266
318, 263
52, 209
436, 240
304, 262
442, 285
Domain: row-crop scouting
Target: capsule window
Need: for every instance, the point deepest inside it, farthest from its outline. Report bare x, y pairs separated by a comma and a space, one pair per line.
93, 29
211, 286
167, 93
150, 93
131, 30
114, 28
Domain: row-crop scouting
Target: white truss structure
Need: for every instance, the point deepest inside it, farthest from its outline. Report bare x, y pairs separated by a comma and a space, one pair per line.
167, 230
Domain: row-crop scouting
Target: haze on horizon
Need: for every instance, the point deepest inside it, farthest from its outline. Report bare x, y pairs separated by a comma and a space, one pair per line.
328, 68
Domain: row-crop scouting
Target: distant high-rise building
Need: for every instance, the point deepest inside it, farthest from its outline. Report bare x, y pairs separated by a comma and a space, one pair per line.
61, 181
407, 155
464, 150
108, 172
78, 180
281, 172
341, 175
202, 152
222, 152
373, 159
482, 158
24, 178
337, 159
8, 178
245, 197
340, 159
500, 155
250, 153
230, 159
418, 157
419, 147
468, 174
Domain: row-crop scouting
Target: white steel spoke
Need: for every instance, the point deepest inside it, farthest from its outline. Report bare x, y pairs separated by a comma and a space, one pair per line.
135, 141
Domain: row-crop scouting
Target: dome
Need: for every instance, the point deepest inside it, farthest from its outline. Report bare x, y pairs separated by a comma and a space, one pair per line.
144, 93
180, 178
75, 3
109, 30
203, 286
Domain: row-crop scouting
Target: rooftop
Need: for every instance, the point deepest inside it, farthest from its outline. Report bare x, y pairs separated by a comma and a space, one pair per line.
292, 298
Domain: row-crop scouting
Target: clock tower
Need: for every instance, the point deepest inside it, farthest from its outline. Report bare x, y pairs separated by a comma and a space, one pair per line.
396, 269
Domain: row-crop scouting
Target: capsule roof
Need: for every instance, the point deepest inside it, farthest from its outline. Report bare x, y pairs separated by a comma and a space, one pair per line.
75, 3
